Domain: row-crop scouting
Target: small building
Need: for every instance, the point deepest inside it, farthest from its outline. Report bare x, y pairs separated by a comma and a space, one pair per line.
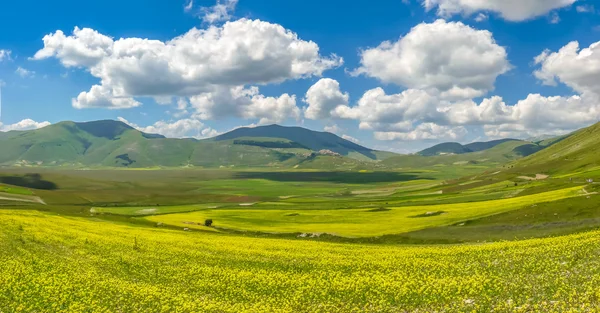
589, 180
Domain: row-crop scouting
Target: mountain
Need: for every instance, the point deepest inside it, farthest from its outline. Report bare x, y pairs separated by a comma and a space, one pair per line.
480, 146
307, 139
457, 148
445, 148
115, 144
501, 153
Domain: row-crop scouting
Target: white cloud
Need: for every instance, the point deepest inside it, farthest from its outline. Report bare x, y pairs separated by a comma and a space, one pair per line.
578, 69
245, 103
416, 115
350, 138
586, 8
5, 55
189, 5
24, 73
239, 53
184, 128
554, 18
100, 97
26, 124
538, 115
323, 97
333, 129
449, 58
380, 111
425, 131
511, 10
481, 17
221, 11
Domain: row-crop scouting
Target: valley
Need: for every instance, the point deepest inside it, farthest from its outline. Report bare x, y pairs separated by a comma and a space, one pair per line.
372, 237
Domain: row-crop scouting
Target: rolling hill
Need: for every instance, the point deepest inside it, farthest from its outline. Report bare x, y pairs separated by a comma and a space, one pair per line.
573, 153
500, 152
115, 144
457, 148
307, 139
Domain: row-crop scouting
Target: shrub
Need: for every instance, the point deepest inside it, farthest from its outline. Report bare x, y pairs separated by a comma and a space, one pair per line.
208, 222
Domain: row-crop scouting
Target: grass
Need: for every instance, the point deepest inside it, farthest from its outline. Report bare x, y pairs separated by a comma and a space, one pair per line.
16, 190
356, 222
53, 263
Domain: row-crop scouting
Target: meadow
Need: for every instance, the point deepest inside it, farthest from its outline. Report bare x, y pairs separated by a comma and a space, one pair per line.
65, 264
297, 241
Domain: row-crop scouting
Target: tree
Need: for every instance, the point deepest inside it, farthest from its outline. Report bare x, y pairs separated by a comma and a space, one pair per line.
208, 222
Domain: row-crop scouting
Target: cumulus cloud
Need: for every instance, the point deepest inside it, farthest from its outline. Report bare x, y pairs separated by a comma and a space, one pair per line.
323, 97
198, 63
26, 124
184, 128
448, 58
417, 115
511, 10
578, 69
5, 55
245, 103
379, 111
101, 97
24, 73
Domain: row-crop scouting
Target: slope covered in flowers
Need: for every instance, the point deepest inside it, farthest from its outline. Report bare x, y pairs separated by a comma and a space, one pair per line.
50, 263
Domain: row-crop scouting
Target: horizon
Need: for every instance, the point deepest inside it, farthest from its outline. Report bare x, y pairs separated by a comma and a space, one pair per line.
507, 68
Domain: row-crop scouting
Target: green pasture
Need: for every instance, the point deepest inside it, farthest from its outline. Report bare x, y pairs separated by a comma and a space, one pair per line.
355, 222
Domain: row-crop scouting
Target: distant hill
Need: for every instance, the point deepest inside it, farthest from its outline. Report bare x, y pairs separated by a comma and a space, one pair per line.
110, 143
457, 148
503, 151
309, 139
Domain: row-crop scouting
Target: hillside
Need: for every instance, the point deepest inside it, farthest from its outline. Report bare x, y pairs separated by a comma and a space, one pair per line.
566, 154
115, 144
503, 152
457, 148
304, 138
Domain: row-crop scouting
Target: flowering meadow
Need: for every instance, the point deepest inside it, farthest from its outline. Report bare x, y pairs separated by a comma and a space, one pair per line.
50, 263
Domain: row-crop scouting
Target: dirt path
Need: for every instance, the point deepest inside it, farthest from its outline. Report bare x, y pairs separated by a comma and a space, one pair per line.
537, 177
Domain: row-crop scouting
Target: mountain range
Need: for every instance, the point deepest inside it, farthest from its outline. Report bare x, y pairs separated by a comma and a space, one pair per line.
109, 143
116, 144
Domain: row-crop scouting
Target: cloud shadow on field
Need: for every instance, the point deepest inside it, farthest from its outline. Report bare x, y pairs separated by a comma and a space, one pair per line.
32, 180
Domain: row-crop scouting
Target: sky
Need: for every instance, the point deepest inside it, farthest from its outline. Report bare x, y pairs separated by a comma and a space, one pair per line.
396, 75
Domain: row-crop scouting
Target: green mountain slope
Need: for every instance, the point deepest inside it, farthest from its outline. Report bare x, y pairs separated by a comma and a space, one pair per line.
445, 148
573, 153
499, 154
457, 148
312, 140
115, 144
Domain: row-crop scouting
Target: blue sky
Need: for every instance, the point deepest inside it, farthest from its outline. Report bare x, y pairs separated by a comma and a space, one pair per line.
431, 45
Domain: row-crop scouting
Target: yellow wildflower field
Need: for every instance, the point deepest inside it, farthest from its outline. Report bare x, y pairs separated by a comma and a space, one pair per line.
50, 263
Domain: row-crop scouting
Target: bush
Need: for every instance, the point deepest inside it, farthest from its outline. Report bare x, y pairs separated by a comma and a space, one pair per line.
208, 222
